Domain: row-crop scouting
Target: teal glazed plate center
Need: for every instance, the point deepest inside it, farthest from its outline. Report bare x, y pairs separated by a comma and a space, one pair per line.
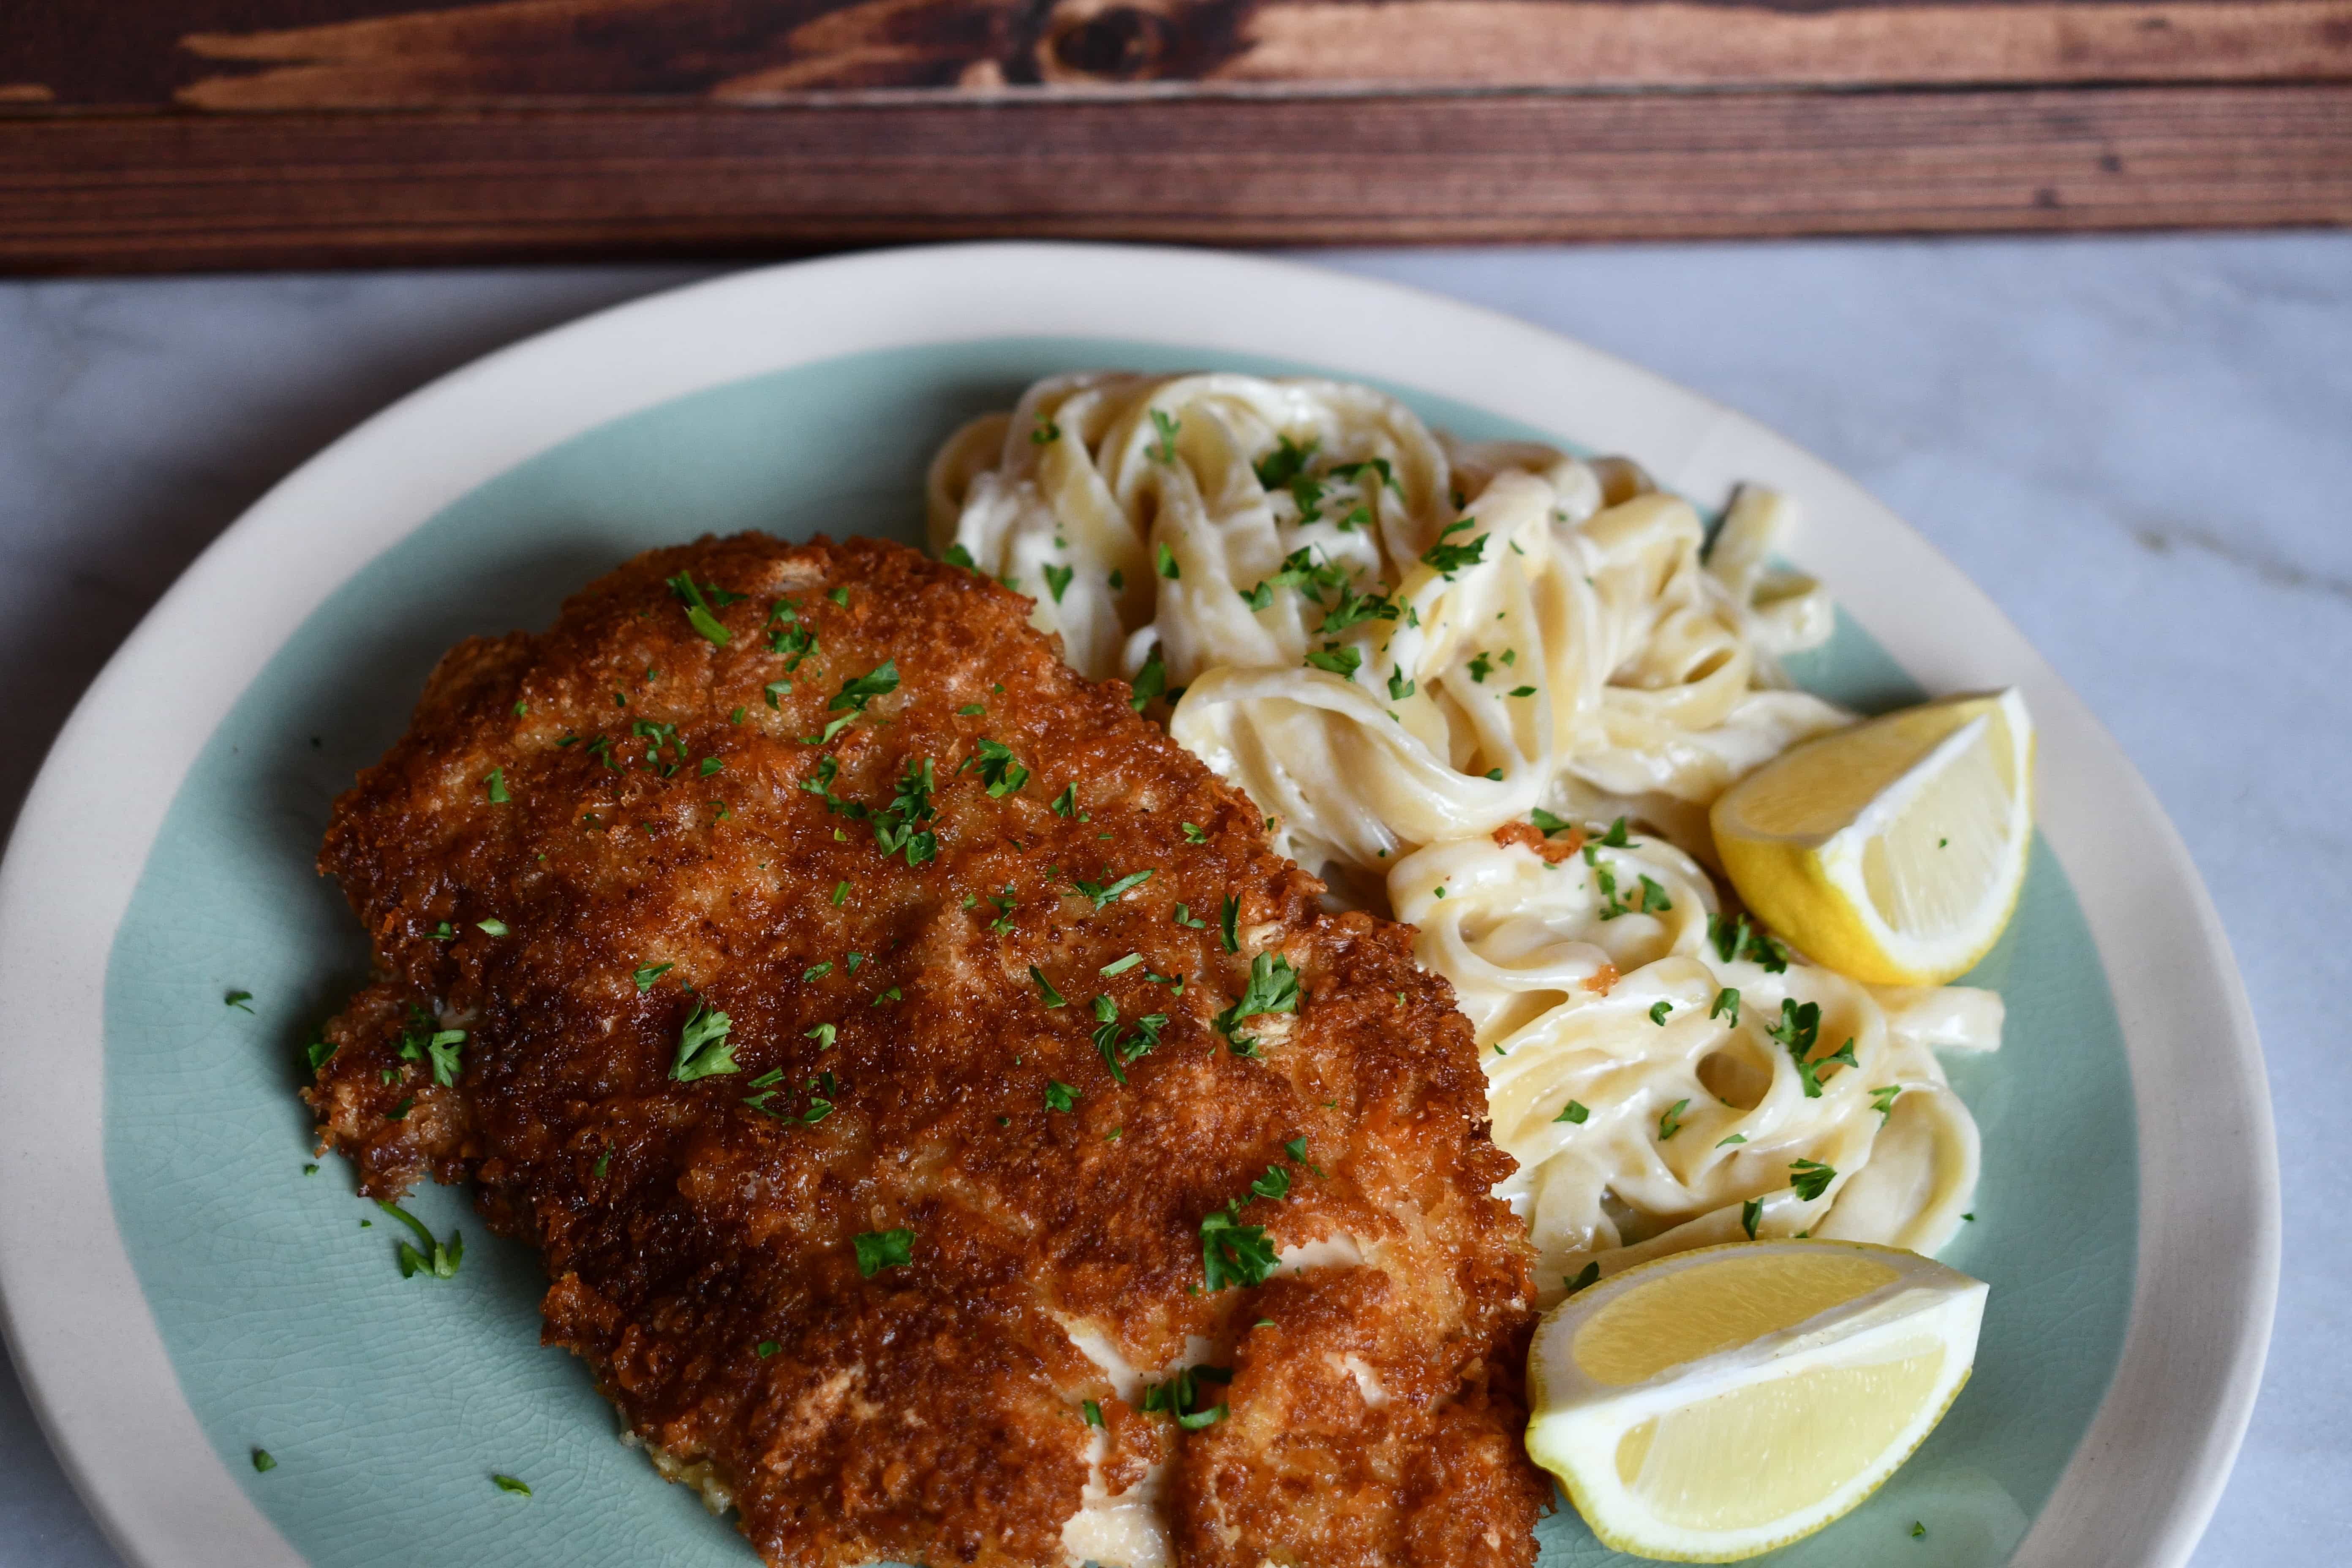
389, 1404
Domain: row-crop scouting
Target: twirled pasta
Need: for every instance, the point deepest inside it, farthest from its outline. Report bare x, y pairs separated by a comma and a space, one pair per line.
1406, 648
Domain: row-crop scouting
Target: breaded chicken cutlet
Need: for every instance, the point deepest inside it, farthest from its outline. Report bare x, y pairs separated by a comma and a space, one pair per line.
953, 1134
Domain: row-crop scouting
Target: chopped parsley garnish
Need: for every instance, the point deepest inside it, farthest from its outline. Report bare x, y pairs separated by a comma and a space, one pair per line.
1736, 939
1797, 1031
1053, 997
1273, 988
1185, 917
824, 1035
1057, 578
1399, 686
1727, 1006
1378, 465
491, 927
1301, 571
263, 1461
1734, 1138
972, 710
239, 999
430, 1256
1066, 803
1227, 932
700, 601
399, 1112
1120, 965
703, 1049
765, 1349
1586, 1277
1658, 1013
1917, 1527
1181, 1397
1119, 1046
1523, 691
1232, 1253
880, 1249
1574, 1112
1046, 432
840, 892
1881, 1099
495, 780
840, 595
508, 1484
794, 642
895, 825
1341, 661
817, 970
1284, 464
1005, 903
1749, 1213
443, 1047
1810, 1178
1274, 1184
1447, 559
1167, 567
1653, 899
956, 555
1672, 1121
889, 995
1163, 451
1150, 682
1093, 1411
603, 1163
857, 693
1547, 823
1060, 1096
320, 1052
1354, 608
1106, 893
1481, 667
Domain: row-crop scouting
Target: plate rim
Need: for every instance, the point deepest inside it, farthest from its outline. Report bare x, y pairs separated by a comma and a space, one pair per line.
2148, 1471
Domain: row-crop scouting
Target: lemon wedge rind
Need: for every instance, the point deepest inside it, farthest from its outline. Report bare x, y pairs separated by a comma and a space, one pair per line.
1899, 1350
1894, 851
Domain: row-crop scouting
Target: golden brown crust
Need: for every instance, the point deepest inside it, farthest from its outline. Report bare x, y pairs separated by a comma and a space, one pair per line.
930, 1412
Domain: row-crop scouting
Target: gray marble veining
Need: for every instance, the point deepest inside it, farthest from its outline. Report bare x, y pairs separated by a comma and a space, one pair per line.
2141, 447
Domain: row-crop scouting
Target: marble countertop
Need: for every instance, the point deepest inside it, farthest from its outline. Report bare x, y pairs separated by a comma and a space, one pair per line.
2142, 448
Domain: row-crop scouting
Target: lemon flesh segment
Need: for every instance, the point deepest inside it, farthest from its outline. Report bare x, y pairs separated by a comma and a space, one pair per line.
1689, 1313
1893, 851
1719, 1404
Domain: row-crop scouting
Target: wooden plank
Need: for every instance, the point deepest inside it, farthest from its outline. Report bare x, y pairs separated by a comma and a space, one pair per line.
248, 55
300, 189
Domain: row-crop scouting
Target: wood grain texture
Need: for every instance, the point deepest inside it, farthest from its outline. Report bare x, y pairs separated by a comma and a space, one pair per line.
166, 192
175, 133
229, 55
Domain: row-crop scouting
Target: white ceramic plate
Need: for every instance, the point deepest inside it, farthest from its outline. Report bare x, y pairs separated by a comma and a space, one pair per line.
148, 1373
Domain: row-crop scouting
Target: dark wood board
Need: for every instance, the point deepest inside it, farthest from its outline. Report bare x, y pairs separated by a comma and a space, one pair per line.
208, 133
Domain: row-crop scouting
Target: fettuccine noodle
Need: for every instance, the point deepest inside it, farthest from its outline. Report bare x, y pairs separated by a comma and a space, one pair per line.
1446, 671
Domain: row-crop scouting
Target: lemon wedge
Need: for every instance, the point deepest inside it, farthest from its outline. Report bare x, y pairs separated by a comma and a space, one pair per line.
1892, 851
1718, 1404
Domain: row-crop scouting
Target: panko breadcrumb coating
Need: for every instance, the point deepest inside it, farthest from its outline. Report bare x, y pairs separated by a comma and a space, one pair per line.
953, 1135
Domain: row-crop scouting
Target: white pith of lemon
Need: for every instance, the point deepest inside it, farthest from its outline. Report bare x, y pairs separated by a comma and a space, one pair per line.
1718, 1404
1893, 851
